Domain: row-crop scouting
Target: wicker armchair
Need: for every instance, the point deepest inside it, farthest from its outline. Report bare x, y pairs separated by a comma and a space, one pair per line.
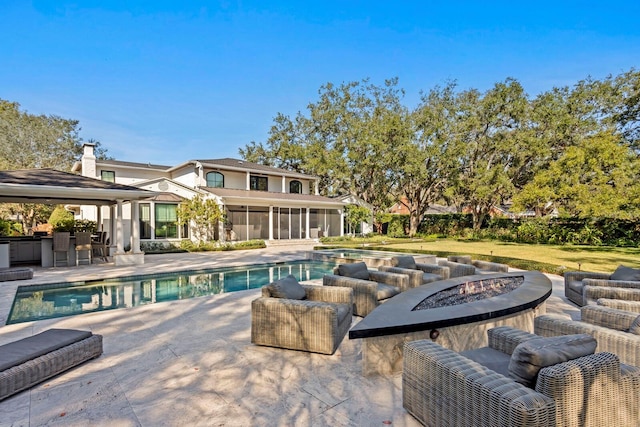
370, 287
443, 388
419, 273
479, 264
575, 281
609, 326
626, 305
317, 323
458, 269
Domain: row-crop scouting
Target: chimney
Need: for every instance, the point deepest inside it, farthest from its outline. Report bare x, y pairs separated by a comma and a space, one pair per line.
88, 160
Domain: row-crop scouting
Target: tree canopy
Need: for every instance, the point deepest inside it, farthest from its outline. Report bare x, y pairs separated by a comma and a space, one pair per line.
573, 148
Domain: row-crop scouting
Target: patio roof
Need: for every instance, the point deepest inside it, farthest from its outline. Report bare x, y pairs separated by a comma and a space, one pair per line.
50, 186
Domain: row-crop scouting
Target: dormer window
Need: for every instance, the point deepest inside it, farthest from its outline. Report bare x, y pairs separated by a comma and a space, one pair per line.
215, 180
295, 187
108, 176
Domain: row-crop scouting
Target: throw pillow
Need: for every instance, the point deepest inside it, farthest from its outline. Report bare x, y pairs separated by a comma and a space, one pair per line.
288, 288
635, 326
532, 355
356, 270
405, 262
626, 273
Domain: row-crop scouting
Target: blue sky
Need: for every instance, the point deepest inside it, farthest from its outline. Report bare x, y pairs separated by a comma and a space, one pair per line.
169, 81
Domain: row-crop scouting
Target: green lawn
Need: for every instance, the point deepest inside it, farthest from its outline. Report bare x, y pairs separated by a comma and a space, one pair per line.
567, 258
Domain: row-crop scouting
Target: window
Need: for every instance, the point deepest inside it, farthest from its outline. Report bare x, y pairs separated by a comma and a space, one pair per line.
295, 187
166, 221
145, 221
109, 176
215, 180
258, 183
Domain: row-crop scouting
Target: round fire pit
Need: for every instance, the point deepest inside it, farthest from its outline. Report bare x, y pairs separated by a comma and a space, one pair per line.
457, 312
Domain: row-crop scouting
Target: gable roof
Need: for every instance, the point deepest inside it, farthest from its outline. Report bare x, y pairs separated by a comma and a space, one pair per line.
243, 166
50, 186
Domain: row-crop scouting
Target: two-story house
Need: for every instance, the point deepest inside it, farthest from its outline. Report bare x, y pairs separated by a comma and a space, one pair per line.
260, 202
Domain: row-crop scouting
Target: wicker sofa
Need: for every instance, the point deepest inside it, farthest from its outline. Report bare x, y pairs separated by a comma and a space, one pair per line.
576, 281
317, 321
458, 269
29, 361
479, 264
419, 273
609, 326
370, 287
443, 388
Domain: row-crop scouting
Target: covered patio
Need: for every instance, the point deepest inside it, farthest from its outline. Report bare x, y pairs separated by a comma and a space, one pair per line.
53, 187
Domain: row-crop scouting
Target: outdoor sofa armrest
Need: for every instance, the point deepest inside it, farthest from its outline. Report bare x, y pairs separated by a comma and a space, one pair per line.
506, 338
620, 304
332, 294
434, 269
457, 269
415, 276
490, 266
590, 294
393, 279
581, 275
365, 292
607, 317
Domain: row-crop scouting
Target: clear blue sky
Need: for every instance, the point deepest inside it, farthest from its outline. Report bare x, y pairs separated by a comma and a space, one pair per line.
169, 81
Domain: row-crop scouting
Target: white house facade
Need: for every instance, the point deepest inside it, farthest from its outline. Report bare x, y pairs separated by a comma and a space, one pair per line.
260, 202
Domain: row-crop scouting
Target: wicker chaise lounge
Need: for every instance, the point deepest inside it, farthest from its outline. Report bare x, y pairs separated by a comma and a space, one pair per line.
301, 317
443, 388
29, 361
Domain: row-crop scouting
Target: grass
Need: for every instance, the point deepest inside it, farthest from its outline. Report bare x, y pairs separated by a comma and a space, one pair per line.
548, 258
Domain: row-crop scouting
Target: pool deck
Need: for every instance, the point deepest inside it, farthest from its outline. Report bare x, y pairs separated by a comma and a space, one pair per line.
191, 362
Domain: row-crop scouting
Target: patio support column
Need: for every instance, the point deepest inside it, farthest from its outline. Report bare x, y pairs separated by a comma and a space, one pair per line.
284, 184
341, 222
270, 222
119, 231
308, 230
135, 227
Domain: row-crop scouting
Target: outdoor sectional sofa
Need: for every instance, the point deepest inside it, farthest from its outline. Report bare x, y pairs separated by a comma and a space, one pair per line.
29, 361
419, 273
443, 388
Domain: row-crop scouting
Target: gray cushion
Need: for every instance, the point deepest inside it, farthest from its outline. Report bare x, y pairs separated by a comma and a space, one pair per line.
18, 352
635, 326
287, 288
532, 355
356, 270
386, 291
343, 311
626, 273
405, 261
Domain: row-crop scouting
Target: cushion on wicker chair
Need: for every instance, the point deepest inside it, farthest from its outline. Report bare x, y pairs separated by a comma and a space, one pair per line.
626, 273
537, 353
635, 326
287, 288
356, 270
405, 261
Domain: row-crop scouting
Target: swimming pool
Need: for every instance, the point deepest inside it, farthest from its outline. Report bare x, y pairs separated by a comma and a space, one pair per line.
49, 301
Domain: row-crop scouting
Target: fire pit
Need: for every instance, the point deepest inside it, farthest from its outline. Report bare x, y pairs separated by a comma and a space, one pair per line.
455, 313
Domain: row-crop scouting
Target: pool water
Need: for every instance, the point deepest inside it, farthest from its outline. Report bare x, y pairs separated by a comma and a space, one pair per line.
68, 299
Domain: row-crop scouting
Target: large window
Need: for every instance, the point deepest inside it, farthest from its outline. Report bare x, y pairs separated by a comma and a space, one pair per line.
109, 176
215, 180
295, 187
258, 183
166, 221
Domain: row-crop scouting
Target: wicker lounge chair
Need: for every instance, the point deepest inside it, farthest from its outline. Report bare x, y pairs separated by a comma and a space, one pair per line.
317, 323
609, 326
443, 388
370, 287
575, 281
29, 361
458, 269
419, 273
479, 264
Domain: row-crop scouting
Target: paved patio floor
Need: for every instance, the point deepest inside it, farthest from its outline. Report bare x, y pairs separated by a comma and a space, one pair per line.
191, 362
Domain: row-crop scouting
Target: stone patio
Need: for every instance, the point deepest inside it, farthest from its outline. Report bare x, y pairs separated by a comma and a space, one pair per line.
190, 362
